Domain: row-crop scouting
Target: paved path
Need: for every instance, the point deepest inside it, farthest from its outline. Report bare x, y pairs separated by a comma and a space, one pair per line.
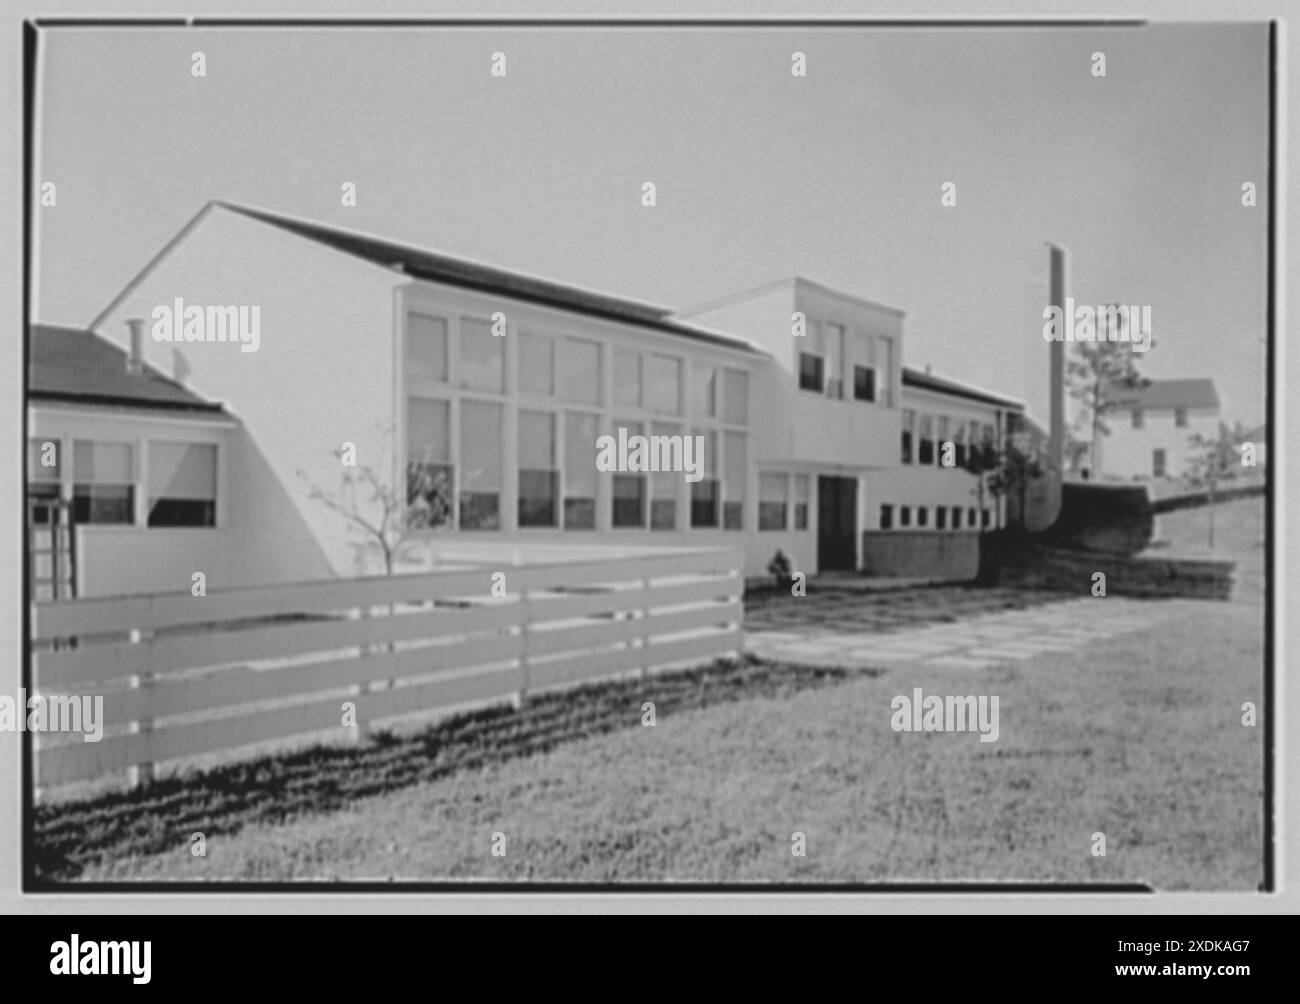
974, 643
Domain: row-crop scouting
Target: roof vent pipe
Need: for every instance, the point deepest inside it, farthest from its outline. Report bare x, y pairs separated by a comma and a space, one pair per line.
135, 361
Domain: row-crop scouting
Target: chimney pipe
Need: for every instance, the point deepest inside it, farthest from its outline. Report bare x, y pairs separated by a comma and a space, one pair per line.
135, 360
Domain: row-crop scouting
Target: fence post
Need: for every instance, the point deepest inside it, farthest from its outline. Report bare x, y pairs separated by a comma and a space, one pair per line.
360, 728
143, 772
526, 615
645, 627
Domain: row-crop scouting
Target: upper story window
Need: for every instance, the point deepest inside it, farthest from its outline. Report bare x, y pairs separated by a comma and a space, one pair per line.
1138, 418
885, 369
627, 377
735, 397
864, 383
943, 437
580, 371
482, 357
811, 371
959, 445
426, 348
909, 428
704, 391
182, 484
833, 350
536, 364
103, 489
663, 378
1180, 418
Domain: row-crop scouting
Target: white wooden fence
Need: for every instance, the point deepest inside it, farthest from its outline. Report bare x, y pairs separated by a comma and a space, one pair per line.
184, 676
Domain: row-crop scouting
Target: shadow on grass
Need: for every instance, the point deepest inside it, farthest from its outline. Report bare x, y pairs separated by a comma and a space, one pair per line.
70, 836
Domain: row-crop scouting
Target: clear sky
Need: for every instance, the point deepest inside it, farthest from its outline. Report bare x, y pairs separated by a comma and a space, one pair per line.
759, 174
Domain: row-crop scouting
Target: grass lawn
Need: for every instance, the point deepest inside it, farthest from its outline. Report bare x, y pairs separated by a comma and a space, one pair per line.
1138, 737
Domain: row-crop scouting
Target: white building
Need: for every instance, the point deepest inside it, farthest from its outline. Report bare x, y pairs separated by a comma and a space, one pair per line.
499, 384
1151, 428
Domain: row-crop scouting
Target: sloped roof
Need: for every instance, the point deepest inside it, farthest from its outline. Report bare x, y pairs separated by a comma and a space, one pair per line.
435, 266
1168, 394
75, 365
922, 380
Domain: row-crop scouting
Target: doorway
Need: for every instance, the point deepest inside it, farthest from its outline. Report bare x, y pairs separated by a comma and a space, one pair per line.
837, 523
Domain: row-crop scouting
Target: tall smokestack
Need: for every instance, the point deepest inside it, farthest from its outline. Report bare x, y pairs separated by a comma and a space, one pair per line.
135, 361
1056, 420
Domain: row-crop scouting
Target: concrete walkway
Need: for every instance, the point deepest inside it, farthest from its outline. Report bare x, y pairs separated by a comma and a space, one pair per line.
974, 643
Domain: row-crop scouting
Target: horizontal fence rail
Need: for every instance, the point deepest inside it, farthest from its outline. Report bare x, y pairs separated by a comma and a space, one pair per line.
184, 676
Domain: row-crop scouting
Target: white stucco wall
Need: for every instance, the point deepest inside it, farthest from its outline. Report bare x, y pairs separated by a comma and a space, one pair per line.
323, 375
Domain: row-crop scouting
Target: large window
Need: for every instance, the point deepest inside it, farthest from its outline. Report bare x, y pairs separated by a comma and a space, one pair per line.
704, 493
959, 445
482, 357
864, 383
629, 488
833, 349
539, 475
909, 429
735, 397
925, 449
480, 465
580, 432
942, 438
704, 391
886, 517
580, 371
103, 489
182, 484
627, 378
736, 467
536, 364
802, 491
885, 367
663, 486
429, 481
663, 385
773, 501
811, 371
426, 348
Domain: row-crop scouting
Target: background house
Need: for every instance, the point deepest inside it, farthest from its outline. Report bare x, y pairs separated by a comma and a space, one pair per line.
1151, 428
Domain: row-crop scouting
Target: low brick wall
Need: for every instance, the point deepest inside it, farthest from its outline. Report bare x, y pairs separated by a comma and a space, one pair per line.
921, 554
1029, 565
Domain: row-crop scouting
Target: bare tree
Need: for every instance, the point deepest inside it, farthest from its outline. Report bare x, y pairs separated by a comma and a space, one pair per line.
1096, 374
388, 515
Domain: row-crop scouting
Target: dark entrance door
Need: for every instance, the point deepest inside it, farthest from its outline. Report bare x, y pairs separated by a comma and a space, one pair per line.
837, 523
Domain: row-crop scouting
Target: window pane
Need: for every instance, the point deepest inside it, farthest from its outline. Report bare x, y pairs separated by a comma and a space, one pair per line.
833, 340
925, 451
539, 480
909, 426
93, 503
580, 371
802, 490
704, 503
480, 465
428, 430
482, 359
773, 498
735, 463
102, 463
735, 397
704, 391
536, 364
37, 455
426, 347
810, 372
886, 517
664, 485
629, 500
864, 383
182, 484
580, 455
663, 384
627, 377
